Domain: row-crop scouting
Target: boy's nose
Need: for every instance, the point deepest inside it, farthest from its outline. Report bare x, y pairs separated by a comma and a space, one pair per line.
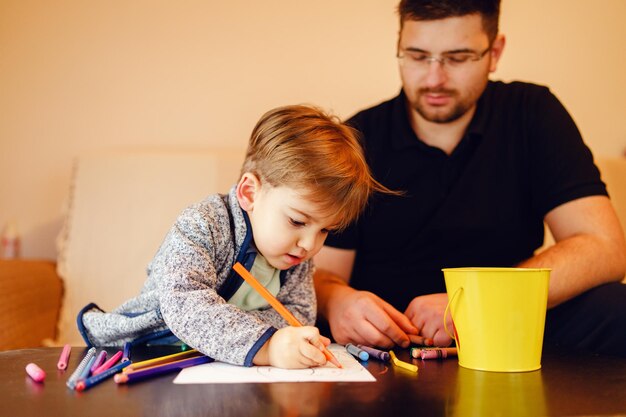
307, 242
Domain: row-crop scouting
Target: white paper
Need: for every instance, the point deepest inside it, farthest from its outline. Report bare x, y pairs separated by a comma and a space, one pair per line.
223, 373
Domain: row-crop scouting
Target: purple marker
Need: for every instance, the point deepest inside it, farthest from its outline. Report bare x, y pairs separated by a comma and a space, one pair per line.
99, 360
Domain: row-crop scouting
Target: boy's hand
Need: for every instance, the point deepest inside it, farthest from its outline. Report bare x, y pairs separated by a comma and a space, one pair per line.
293, 347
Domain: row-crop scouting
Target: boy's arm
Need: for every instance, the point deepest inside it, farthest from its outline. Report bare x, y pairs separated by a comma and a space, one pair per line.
185, 268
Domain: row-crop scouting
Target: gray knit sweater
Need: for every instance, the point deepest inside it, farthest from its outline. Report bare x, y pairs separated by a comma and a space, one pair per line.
188, 279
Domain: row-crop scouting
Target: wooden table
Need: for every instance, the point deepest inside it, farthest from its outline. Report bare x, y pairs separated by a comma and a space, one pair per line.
568, 384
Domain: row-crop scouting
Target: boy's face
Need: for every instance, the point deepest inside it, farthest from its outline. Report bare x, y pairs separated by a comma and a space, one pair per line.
287, 227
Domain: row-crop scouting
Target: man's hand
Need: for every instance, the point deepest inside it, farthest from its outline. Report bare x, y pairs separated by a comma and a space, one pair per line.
426, 313
361, 317
355, 316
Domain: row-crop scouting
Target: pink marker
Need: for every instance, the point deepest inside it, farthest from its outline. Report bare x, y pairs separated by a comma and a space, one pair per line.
35, 372
109, 363
65, 355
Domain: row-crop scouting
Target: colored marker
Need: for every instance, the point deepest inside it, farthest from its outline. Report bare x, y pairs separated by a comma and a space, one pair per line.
85, 384
126, 355
109, 363
65, 356
375, 353
85, 374
357, 352
71, 382
160, 360
281, 309
35, 372
99, 360
126, 377
402, 364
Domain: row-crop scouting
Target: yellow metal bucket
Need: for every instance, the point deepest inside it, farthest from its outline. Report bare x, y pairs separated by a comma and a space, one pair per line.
499, 316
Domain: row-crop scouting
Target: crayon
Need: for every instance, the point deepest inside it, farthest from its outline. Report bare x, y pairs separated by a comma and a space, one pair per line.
35, 372
85, 384
109, 363
126, 355
126, 377
162, 359
99, 360
71, 382
357, 352
65, 356
375, 353
433, 353
281, 309
402, 364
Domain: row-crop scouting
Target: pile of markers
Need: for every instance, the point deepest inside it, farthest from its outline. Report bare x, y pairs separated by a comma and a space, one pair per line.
95, 367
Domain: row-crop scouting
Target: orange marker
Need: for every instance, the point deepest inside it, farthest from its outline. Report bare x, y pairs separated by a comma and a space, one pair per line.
281, 309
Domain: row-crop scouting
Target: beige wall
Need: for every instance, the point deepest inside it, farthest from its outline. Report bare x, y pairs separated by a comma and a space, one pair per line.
81, 76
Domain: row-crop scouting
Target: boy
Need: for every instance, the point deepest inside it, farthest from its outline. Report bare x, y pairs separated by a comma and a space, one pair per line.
304, 174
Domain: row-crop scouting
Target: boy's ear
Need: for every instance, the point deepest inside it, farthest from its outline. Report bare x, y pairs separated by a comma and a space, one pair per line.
247, 189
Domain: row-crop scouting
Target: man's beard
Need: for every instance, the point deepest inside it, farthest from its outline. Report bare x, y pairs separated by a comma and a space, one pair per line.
437, 116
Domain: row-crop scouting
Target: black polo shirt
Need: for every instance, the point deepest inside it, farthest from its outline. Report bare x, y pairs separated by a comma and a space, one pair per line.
483, 205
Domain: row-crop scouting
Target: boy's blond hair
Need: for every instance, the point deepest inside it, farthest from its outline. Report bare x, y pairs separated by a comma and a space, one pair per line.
303, 147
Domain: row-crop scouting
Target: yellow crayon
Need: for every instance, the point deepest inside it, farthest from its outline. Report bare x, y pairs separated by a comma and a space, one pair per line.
401, 364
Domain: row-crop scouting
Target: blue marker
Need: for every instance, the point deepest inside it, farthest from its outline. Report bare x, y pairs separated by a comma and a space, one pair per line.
126, 355
84, 384
71, 382
359, 353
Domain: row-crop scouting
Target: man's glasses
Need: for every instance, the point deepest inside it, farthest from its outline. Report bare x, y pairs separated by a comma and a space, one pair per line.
418, 60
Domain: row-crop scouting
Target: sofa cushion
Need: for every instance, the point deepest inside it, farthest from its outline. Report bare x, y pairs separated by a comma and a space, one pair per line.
121, 206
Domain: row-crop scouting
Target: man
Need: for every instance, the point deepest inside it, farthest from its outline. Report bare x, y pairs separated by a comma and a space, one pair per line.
482, 165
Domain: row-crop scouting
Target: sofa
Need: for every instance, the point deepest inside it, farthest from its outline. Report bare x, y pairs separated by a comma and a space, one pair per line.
120, 206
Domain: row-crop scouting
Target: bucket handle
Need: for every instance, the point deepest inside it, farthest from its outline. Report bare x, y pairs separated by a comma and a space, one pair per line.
454, 336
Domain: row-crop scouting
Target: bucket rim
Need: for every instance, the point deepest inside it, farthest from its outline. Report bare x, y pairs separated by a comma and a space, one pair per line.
494, 269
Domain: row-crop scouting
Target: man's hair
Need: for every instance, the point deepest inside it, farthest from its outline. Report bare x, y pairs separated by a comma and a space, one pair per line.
302, 147
441, 9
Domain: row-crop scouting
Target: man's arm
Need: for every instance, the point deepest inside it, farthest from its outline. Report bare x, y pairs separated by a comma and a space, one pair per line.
589, 251
355, 316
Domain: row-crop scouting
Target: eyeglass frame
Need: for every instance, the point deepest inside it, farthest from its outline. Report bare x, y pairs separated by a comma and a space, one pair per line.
442, 58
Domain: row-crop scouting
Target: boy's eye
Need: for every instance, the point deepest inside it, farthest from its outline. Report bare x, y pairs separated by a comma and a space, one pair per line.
295, 222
